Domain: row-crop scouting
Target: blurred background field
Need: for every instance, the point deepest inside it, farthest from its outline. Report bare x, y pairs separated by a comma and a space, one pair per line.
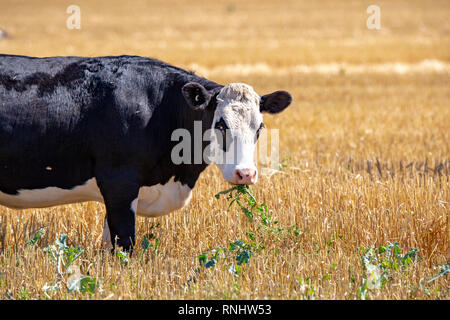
227, 32
364, 148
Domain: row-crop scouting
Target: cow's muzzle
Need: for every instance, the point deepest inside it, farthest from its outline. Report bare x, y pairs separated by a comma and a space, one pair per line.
245, 176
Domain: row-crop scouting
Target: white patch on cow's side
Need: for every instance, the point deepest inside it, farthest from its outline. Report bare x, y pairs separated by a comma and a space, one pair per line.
155, 201
52, 196
238, 106
152, 201
160, 199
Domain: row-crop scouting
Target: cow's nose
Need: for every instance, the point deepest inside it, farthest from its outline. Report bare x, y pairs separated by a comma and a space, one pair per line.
245, 176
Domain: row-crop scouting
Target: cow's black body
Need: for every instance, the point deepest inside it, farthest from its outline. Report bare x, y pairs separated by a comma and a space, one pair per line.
109, 118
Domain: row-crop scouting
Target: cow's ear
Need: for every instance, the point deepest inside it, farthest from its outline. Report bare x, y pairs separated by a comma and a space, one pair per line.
275, 102
196, 95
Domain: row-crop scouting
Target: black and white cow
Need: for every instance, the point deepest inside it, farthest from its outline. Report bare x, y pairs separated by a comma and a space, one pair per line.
76, 129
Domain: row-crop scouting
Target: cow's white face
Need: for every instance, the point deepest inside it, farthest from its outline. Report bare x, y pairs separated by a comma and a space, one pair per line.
236, 125
237, 122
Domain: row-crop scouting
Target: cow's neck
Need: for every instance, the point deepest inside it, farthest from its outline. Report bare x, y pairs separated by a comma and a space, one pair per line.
185, 117
189, 173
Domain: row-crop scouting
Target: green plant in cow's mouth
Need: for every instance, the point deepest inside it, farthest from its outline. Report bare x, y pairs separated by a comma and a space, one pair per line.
238, 194
242, 196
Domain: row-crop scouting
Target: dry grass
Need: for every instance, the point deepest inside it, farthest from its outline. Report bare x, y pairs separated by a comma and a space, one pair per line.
366, 156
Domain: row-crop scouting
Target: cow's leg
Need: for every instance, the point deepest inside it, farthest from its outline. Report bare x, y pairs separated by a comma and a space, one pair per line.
120, 197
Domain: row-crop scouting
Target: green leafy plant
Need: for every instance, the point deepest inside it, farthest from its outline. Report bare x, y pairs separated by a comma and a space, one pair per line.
209, 259
238, 251
306, 288
122, 255
380, 265
36, 237
393, 259
64, 256
150, 241
83, 284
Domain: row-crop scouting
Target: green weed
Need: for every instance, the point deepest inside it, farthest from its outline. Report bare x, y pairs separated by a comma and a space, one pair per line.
64, 256
380, 266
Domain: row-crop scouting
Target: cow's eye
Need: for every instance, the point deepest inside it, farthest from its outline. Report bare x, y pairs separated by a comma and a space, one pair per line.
221, 125
259, 130
225, 140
